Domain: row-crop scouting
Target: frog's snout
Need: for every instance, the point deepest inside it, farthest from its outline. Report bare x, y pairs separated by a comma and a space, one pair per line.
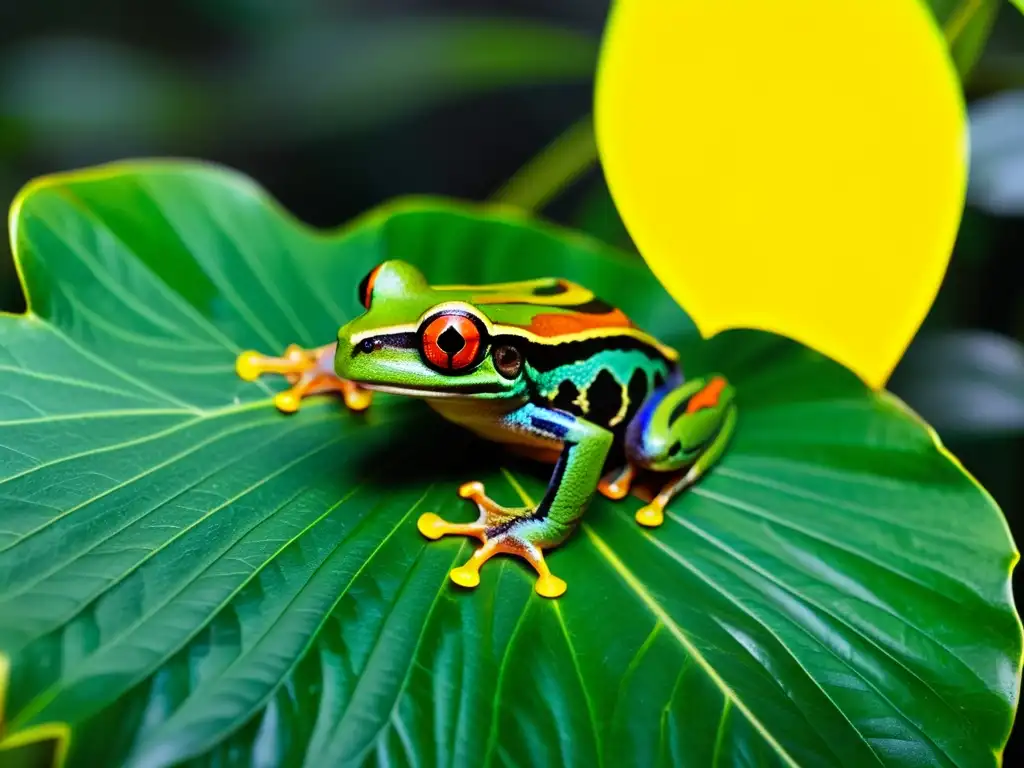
360, 357
343, 355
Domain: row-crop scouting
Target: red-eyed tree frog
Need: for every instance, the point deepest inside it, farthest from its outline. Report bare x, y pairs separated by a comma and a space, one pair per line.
541, 366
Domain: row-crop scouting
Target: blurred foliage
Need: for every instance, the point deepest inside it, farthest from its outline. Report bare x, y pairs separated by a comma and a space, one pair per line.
66, 94
967, 24
965, 383
997, 158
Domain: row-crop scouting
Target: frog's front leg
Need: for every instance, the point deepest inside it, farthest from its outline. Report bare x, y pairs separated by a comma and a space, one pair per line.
309, 371
527, 531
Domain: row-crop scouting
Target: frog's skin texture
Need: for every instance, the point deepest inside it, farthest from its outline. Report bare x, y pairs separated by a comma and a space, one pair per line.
541, 366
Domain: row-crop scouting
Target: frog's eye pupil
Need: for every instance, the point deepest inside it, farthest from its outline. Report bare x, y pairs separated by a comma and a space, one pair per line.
451, 342
508, 361
367, 345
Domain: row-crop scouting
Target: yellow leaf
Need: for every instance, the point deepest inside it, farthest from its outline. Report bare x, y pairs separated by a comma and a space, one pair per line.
797, 166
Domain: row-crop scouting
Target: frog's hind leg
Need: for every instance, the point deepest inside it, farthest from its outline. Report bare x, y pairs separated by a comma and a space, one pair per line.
652, 515
309, 371
685, 432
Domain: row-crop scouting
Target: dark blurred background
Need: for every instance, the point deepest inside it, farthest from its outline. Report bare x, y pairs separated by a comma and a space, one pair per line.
337, 106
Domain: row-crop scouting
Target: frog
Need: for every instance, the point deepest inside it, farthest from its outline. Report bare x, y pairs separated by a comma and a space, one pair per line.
542, 367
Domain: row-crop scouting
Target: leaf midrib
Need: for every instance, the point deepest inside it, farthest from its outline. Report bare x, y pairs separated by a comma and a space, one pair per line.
703, 577
652, 605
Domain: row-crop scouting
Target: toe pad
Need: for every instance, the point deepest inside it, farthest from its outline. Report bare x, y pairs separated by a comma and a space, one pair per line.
550, 586
431, 526
465, 577
650, 516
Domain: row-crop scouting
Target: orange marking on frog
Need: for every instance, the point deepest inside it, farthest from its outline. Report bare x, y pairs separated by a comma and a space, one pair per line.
561, 324
369, 286
707, 397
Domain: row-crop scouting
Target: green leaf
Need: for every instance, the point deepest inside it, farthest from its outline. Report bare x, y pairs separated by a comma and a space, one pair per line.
188, 575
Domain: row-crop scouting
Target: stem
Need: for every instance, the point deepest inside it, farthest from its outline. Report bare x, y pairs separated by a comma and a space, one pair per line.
959, 19
555, 168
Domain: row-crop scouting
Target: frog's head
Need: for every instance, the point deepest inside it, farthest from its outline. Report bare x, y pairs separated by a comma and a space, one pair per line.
415, 340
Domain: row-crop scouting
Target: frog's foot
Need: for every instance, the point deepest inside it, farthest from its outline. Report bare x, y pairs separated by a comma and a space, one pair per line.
309, 371
653, 514
502, 531
617, 485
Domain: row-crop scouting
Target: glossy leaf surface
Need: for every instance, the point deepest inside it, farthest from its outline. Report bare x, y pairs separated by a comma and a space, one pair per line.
188, 576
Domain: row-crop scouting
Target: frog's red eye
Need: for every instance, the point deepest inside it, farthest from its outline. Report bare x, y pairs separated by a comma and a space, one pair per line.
366, 287
452, 342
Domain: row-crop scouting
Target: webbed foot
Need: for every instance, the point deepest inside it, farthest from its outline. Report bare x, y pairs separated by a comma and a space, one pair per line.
309, 371
502, 530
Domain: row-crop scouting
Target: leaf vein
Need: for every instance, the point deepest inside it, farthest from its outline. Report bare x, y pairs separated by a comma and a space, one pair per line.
765, 574
677, 632
39, 702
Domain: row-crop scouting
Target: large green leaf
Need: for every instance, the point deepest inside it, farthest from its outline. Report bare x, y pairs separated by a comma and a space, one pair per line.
188, 575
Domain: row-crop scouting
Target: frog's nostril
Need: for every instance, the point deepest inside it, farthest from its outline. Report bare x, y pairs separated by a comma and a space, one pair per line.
366, 346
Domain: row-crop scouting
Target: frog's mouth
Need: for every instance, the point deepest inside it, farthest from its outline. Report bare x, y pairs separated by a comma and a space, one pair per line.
427, 392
